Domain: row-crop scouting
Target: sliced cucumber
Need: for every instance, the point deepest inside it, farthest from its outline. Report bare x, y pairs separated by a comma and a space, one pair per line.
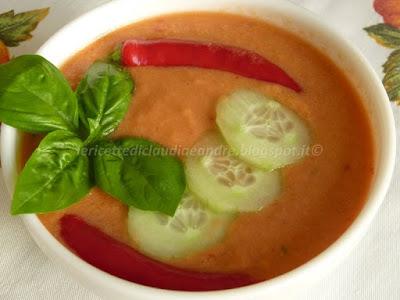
262, 131
193, 228
225, 182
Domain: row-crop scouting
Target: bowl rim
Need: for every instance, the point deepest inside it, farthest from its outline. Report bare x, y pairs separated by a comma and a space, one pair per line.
94, 277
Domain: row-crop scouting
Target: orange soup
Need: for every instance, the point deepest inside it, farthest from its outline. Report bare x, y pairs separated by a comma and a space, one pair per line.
321, 194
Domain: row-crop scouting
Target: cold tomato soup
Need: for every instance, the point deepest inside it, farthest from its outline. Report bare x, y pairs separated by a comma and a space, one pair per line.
321, 194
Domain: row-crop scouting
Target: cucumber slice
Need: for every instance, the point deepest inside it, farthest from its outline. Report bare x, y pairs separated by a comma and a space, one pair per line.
193, 228
226, 183
262, 131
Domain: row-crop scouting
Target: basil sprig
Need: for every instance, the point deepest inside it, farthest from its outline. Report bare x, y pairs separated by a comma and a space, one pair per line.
35, 97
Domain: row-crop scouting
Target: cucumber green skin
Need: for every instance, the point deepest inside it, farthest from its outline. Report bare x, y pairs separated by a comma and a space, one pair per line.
231, 112
163, 243
230, 199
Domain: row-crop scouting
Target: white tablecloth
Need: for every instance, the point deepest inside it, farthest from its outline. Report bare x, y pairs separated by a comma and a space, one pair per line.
372, 271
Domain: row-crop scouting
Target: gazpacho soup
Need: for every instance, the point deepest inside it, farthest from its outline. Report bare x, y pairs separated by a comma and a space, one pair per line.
198, 151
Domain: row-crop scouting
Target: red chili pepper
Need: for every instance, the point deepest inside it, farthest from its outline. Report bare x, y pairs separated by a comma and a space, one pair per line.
170, 53
116, 258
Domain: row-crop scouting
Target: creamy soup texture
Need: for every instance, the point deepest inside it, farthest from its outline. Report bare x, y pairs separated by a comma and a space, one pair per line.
322, 194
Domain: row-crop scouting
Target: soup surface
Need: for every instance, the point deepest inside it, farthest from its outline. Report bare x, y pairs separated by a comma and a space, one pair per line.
322, 194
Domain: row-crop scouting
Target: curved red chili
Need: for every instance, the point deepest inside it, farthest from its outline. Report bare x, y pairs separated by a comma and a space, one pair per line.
170, 53
116, 258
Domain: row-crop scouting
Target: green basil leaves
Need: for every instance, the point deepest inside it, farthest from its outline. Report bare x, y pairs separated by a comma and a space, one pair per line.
140, 173
55, 176
104, 96
35, 97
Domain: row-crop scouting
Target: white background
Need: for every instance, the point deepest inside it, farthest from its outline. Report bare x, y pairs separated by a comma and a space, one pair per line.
372, 271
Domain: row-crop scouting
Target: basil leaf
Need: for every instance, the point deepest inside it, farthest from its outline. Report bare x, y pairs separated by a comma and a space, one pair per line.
104, 96
35, 96
385, 35
140, 173
15, 28
55, 176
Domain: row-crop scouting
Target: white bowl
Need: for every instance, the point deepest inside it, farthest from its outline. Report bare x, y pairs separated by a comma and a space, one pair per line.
111, 16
